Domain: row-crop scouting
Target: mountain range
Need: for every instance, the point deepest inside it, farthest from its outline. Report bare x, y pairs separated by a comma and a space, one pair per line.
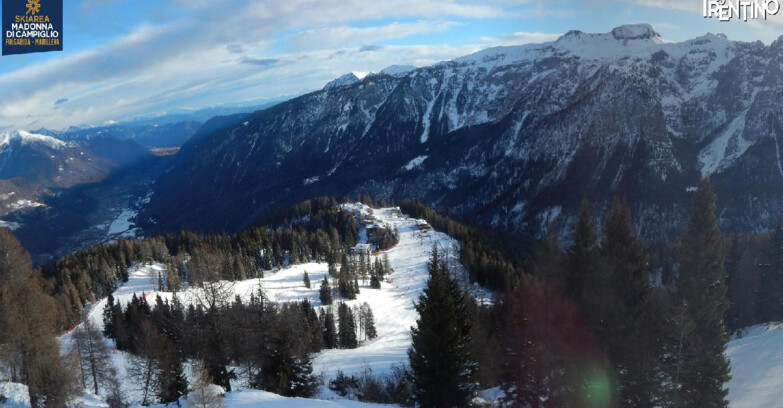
512, 137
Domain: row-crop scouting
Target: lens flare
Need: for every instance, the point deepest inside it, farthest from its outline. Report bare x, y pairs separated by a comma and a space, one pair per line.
597, 389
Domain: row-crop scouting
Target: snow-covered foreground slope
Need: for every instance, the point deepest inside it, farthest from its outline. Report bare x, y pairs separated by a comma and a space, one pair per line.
393, 307
255, 398
393, 303
757, 367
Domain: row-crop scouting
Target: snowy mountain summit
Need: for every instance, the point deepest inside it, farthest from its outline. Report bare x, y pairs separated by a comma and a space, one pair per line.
26, 138
515, 135
347, 79
635, 32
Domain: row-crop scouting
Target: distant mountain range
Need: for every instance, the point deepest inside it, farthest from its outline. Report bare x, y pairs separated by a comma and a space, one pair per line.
512, 137
33, 166
65, 190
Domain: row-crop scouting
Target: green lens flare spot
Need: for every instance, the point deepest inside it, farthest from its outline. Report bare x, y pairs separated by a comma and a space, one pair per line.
597, 390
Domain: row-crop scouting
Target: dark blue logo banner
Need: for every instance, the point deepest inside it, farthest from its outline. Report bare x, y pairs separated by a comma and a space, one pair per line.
32, 26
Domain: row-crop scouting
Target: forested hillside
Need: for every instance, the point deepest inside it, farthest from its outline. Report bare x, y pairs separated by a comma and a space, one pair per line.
316, 301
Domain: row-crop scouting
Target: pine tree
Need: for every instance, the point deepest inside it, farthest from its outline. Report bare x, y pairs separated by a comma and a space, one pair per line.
109, 318
306, 280
325, 292
770, 302
329, 328
345, 280
346, 327
369, 322
549, 260
172, 382
442, 366
286, 370
582, 254
701, 368
734, 284
631, 335
375, 283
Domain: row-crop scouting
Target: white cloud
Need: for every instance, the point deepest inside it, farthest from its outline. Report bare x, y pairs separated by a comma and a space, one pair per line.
198, 58
684, 5
345, 36
520, 37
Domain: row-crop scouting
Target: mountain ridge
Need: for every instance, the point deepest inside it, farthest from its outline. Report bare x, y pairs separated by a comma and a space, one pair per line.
514, 137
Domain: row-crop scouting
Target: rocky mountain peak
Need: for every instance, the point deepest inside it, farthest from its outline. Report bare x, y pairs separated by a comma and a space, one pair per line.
635, 32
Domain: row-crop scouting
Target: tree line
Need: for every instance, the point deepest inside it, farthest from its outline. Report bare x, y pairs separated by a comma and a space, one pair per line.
316, 230
587, 327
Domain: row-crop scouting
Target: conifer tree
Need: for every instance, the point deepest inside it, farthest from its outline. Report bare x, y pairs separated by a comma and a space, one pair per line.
440, 359
346, 327
325, 292
306, 280
734, 285
109, 318
287, 368
770, 302
375, 283
330, 331
582, 254
701, 369
172, 382
631, 335
549, 260
369, 322
345, 279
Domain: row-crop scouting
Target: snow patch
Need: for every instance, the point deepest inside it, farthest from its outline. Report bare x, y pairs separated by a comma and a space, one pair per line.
415, 163
11, 225
397, 70
122, 225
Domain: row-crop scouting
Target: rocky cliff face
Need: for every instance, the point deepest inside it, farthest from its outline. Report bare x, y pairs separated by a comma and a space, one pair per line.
513, 137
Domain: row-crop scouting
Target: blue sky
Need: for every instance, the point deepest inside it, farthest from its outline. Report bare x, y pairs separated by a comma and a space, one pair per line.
131, 58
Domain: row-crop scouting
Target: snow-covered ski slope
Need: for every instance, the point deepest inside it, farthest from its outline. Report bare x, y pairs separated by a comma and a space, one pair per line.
757, 367
392, 305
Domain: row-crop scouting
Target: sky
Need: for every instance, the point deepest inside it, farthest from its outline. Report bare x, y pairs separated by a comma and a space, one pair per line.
124, 59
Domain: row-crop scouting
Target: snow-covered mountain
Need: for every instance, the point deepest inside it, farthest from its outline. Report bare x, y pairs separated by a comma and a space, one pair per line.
395, 70
514, 137
347, 79
33, 166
